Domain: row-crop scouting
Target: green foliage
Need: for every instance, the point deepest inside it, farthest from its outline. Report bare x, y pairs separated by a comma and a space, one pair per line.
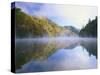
36, 26
90, 30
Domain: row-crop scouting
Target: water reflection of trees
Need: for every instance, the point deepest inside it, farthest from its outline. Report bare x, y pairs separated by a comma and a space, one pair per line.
37, 50
41, 50
91, 46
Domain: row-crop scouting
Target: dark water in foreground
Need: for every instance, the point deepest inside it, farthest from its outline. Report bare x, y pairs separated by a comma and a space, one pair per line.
54, 54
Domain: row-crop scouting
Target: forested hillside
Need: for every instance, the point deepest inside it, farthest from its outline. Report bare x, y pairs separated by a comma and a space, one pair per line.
90, 30
37, 26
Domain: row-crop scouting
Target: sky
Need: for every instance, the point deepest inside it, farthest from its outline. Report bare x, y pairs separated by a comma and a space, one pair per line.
63, 15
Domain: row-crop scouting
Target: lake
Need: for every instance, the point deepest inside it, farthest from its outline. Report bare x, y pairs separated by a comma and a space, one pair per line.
55, 54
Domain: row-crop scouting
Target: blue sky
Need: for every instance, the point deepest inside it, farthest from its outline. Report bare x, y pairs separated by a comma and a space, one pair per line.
63, 15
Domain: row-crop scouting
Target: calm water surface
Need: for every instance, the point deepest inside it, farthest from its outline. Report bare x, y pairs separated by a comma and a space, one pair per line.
54, 54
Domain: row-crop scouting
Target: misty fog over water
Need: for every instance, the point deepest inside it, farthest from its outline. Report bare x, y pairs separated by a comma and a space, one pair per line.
51, 54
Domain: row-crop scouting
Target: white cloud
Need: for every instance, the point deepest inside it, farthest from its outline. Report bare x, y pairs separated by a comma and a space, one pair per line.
79, 15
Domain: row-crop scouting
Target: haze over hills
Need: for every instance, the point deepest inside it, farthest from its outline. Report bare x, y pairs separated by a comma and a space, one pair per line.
73, 29
38, 26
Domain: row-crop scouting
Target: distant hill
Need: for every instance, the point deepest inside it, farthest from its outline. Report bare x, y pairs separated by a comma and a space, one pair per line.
90, 30
73, 29
37, 26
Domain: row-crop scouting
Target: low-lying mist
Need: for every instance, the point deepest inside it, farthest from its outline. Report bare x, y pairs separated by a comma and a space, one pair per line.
56, 38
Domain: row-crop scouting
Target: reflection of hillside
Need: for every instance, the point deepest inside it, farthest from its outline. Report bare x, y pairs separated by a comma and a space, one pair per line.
39, 50
27, 51
90, 46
